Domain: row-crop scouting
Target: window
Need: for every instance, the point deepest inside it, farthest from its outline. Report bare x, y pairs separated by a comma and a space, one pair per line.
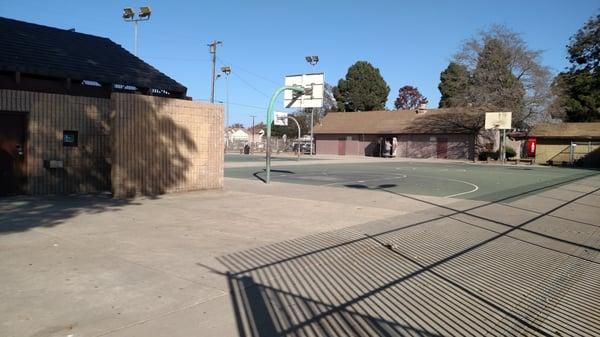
70, 138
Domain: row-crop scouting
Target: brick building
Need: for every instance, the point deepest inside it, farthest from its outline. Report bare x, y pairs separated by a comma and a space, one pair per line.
80, 114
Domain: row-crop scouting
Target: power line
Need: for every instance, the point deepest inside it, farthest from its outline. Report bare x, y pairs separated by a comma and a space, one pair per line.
237, 66
250, 85
249, 106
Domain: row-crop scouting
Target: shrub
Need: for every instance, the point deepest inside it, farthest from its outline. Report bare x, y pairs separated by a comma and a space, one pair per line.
510, 152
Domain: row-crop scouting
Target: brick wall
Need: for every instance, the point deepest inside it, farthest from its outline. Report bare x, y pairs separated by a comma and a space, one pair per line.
131, 144
163, 145
87, 166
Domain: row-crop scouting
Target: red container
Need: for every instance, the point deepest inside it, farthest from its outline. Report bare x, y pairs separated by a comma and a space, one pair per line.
531, 144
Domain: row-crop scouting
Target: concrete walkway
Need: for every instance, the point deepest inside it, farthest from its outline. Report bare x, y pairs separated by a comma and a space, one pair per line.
298, 260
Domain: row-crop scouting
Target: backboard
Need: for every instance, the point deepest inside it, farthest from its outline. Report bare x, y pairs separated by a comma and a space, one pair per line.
312, 99
498, 120
280, 118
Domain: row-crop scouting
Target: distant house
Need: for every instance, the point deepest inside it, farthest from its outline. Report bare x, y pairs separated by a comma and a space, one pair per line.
419, 133
237, 135
80, 114
567, 143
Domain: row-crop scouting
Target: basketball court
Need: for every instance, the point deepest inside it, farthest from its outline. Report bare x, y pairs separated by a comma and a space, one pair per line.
449, 180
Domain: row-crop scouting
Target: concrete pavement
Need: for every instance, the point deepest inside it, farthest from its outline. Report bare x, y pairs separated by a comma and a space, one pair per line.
299, 260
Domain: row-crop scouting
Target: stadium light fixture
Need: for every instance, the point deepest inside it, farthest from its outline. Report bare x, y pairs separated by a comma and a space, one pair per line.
128, 13
313, 59
145, 11
129, 16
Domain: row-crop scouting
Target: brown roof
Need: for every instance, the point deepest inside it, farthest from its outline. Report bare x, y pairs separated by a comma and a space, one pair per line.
383, 122
567, 130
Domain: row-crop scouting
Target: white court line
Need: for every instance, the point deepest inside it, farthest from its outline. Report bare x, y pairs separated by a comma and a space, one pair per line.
398, 176
462, 193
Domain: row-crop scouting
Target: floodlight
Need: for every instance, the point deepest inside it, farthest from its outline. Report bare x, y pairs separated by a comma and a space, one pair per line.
145, 11
128, 13
313, 59
226, 70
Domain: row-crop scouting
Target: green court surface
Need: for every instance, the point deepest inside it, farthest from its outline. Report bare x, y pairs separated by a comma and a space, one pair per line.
453, 180
241, 158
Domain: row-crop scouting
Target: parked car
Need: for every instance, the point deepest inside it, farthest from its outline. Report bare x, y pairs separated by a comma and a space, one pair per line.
304, 147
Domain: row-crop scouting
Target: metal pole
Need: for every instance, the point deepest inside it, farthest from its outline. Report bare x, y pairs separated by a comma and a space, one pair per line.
299, 134
312, 114
227, 98
252, 143
135, 38
503, 146
270, 120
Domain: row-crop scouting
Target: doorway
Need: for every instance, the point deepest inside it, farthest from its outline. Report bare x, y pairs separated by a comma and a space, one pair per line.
13, 135
341, 146
442, 148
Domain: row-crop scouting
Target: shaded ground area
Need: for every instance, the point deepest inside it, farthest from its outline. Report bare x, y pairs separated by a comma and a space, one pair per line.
282, 259
476, 182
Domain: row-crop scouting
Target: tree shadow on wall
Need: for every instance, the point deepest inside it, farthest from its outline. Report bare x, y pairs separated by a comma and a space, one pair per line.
153, 154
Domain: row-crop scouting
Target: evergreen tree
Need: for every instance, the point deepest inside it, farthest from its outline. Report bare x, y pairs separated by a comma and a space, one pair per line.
454, 84
578, 90
363, 89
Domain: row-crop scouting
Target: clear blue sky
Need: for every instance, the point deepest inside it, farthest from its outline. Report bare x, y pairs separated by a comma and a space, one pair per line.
410, 42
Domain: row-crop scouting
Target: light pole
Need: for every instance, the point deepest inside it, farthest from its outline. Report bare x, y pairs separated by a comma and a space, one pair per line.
226, 70
129, 16
312, 60
212, 48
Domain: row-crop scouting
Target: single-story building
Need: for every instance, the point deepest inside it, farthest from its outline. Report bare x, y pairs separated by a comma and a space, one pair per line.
420, 133
80, 114
567, 144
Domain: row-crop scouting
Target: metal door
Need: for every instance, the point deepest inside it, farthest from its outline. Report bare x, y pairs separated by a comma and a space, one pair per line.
442, 148
341, 146
12, 153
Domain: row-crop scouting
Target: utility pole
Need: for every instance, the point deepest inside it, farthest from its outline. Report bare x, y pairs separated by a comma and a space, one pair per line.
213, 50
252, 144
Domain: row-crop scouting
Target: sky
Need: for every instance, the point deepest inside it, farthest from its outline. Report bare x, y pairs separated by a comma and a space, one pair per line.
410, 42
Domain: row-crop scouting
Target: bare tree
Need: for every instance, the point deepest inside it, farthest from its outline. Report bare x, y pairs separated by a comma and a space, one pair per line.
524, 63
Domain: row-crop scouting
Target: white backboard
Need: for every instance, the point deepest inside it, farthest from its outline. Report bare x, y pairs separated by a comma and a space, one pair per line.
280, 118
498, 120
316, 82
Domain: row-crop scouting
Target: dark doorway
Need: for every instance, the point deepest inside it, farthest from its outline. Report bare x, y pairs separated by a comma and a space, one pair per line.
13, 131
341, 146
442, 148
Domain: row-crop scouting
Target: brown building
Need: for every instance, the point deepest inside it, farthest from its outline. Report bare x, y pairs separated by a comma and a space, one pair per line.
567, 144
421, 133
80, 114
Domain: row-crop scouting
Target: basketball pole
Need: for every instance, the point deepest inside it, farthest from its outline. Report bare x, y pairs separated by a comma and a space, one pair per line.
270, 120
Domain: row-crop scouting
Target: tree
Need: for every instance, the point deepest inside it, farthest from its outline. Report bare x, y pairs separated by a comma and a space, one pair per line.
523, 62
363, 89
237, 126
409, 97
454, 85
577, 90
494, 87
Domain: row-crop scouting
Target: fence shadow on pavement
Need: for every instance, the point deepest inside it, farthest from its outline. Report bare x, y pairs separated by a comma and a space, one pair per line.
429, 275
